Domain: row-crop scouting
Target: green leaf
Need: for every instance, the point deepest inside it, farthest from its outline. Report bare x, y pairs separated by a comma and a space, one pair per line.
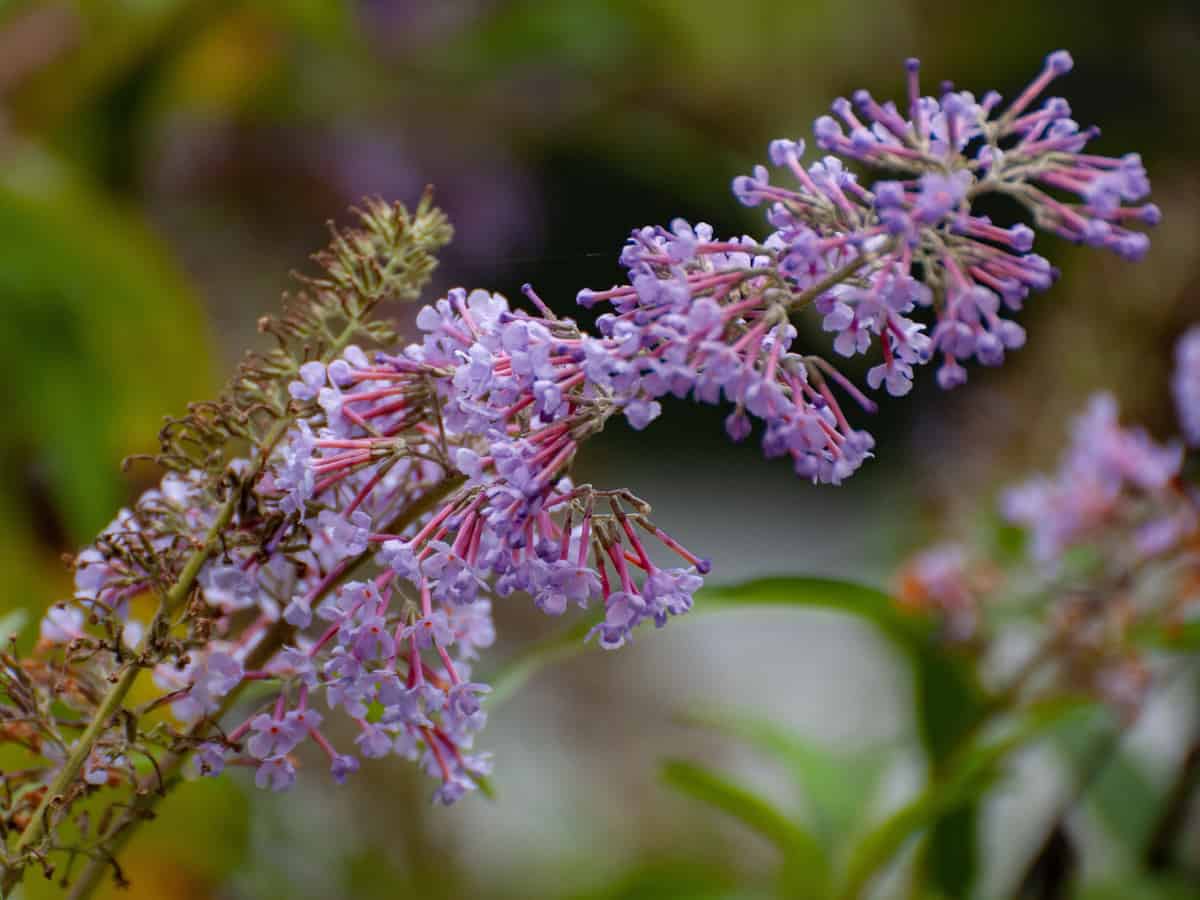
802, 853
485, 785
1182, 637
579, 35
951, 856
1125, 801
103, 327
513, 675
956, 787
1141, 887
836, 784
124, 42
667, 879
949, 700
1007, 543
948, 694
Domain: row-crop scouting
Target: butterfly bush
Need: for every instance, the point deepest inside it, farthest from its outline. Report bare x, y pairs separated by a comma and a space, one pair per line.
341, 574
1107, 566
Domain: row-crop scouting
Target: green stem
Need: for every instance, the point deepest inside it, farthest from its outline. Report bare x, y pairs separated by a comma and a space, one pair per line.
142, 806
798, 302
944, 793
949, 779
55, 793
112, 702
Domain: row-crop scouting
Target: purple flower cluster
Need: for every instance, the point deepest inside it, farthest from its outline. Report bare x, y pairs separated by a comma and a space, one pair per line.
368, 661
1109, 561
494, 403
1103, 474
443, 467
105, 581
709, 318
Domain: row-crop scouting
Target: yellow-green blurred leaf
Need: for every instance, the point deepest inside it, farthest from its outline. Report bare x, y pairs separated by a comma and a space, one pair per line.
103, 336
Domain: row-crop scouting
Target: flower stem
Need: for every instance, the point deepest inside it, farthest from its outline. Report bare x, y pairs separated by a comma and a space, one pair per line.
142, 806
944, 788
38, 824
801, 300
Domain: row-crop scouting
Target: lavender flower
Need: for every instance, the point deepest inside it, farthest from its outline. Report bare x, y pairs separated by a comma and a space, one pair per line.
62, 624
1185, 385
276, 774
202, 684
272, 736
1103, 466
852, 252
209, 759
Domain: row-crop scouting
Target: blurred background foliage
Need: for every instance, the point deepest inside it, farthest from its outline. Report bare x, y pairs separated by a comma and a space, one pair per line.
165, 163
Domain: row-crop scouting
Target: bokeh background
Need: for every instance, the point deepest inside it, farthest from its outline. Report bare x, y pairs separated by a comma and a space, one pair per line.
164, 164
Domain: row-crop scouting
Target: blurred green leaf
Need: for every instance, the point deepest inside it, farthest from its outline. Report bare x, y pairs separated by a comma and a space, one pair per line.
485, 785
948, 694
204, 827
957, 785
1003, 542
326, 21
513, 675
581, 35
672, 880
1126, 801
949, 699
837, 784
1182, 637
804, 859
951, 857
1114, 787
103, 327
113, 40
1139, 887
